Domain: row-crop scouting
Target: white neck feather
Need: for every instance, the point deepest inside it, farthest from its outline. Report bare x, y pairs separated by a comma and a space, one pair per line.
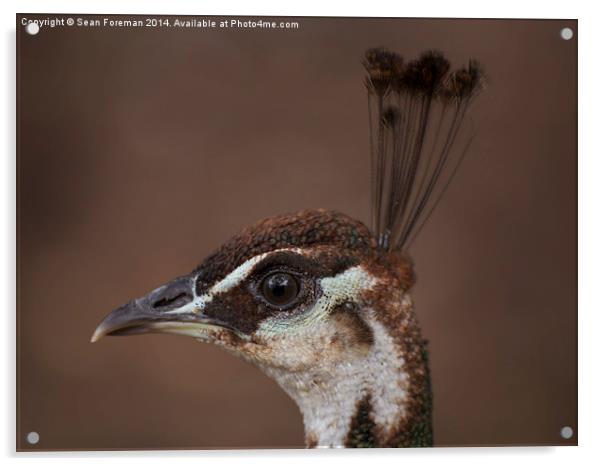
328, 395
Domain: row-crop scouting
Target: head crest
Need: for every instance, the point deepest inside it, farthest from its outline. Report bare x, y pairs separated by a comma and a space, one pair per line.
416, 110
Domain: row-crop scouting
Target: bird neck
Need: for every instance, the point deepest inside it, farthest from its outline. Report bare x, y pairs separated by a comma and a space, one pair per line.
378, 398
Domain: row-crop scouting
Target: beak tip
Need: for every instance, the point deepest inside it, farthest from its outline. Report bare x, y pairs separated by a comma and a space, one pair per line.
98, 334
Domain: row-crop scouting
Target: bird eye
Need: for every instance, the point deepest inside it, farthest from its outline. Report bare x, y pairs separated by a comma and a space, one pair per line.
280, 289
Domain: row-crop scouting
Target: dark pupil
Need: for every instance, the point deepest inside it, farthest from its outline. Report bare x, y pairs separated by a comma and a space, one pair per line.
280, 288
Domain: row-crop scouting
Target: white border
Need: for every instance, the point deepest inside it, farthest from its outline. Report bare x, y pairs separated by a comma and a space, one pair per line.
590, 230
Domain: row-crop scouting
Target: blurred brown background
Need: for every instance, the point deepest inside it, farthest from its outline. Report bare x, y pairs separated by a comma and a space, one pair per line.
141, 150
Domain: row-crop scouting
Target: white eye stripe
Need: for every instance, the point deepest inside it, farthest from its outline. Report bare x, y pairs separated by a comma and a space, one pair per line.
237, 276
240, 273
230, 281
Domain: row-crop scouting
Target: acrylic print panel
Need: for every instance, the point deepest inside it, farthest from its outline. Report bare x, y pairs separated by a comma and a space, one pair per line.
146, 144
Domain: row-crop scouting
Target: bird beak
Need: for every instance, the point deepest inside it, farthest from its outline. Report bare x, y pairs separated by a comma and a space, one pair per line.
171, 308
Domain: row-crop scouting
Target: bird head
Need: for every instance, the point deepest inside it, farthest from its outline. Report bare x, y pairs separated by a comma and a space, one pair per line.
291, 293
319, 301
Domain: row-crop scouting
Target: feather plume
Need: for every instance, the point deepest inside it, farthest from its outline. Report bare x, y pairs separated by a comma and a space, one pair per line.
416, 112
